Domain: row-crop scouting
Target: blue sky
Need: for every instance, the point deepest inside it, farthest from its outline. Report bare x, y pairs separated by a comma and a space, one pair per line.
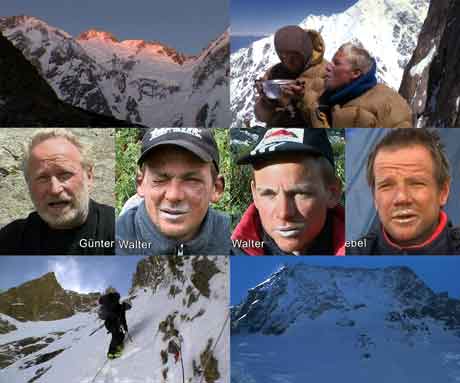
82, 274
439, 273
188, 26
263, 17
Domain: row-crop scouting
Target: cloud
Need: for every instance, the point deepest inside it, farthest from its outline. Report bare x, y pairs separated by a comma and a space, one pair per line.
71, 276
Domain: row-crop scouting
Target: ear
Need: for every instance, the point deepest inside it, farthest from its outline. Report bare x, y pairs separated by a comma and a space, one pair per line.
444, 193
140, 181
355, 73
334, 193
90, 177
254, 193
219, 187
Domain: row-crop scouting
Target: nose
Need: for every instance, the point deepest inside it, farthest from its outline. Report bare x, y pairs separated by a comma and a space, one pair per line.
402, 195
174, 191
285, 207
55, 186
329, 67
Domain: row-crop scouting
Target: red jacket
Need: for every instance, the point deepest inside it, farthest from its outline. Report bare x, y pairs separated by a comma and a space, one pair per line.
250, 229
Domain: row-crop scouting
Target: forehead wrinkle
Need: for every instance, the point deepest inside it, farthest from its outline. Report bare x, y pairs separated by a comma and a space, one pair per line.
401, 169
54, 163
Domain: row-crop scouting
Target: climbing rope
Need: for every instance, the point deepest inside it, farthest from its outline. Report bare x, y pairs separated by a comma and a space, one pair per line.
99, 371
215, 344
102, 325
181, 360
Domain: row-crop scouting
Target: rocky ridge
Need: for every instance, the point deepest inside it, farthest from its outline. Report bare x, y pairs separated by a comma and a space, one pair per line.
27, 100
143, 82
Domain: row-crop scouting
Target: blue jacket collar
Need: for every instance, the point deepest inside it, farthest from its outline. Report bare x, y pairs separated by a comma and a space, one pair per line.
350, 91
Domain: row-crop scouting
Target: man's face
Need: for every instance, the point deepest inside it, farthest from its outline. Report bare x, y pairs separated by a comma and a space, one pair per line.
177, 187
339, 72
292, 200
293, 61
407, 196
58, 183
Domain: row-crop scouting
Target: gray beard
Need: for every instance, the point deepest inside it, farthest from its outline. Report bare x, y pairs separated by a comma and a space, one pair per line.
73, 218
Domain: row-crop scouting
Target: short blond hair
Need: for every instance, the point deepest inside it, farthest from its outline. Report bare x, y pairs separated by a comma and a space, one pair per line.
358, 57
42, 135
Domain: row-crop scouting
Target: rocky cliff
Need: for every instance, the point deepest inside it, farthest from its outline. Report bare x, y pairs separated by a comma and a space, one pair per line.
43, 299
430, 82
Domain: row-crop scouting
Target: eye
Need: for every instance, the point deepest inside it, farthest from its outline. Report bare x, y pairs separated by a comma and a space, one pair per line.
193, 179
42, 179
384, 185
305, 194
158, 181
268, 194
65, 176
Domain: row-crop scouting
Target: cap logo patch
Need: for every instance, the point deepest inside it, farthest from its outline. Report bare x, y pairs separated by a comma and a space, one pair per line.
154, 133
276, 137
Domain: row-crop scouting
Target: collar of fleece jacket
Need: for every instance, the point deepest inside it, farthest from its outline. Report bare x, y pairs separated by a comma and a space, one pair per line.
250, 230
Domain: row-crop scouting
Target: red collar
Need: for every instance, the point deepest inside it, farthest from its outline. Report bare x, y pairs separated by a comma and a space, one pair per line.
250, 228
439, 229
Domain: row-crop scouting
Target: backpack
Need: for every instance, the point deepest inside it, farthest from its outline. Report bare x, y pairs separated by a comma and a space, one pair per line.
108, 304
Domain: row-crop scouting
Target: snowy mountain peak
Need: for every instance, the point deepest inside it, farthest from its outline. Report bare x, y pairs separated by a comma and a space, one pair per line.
30, 24
144, 82
328, 324
97, 34
303, 291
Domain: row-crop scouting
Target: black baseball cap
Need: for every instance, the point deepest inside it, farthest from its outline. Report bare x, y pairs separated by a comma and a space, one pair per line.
290, 140
199, 141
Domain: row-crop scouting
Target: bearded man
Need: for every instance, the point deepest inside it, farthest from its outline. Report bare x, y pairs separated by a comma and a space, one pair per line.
59, 175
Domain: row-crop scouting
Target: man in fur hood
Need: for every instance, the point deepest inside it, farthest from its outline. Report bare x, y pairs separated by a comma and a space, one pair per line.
301, 54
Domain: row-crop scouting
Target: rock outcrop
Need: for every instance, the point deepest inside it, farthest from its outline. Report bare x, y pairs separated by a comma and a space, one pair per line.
431, 81
416, 74
43, 299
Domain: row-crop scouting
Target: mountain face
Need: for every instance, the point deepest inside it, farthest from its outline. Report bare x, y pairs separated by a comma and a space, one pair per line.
144, 82
27, 100
43, 299
388, 29
430, 81
175, 300
358, 324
